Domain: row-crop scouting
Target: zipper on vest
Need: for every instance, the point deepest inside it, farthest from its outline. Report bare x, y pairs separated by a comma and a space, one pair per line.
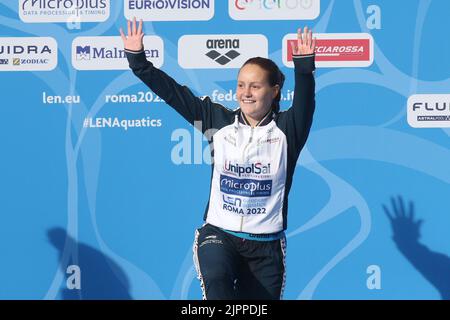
248, 144
244, 161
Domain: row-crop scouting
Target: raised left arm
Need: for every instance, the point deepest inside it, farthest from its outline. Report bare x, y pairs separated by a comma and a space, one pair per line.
303, 106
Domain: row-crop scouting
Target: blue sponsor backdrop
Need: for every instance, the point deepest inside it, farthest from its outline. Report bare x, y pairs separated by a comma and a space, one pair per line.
114, 202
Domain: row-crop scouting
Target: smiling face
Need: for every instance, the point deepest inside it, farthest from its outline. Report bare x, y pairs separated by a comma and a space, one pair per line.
254, 92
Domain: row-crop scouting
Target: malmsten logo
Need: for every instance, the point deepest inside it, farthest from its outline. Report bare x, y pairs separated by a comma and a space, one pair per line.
226, 57
107, 53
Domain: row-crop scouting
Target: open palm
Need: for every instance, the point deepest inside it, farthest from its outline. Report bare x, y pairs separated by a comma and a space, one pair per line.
306, 44
404, 224
133, 41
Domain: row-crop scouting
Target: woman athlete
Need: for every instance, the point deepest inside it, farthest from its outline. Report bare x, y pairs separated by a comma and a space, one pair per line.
239, 252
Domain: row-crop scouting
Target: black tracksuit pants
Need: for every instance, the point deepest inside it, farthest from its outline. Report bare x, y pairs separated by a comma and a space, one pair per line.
230, 267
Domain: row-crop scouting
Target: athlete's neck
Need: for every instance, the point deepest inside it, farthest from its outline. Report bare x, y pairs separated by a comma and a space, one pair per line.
254, 122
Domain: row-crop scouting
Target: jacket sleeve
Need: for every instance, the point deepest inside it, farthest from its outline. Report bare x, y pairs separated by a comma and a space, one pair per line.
179, 97
299, 117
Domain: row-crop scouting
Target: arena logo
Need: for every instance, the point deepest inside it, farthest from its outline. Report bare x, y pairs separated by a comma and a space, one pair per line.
169, 10
107, 53
274, 9
222, 59
429, 111
219, 51
28, 54
335, 50
64, 10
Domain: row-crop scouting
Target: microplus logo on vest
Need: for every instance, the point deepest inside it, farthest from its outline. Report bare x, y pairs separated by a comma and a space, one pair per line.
429, 111
245, 187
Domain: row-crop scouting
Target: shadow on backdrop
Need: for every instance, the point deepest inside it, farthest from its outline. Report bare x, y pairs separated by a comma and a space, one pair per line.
434, 266
101, 278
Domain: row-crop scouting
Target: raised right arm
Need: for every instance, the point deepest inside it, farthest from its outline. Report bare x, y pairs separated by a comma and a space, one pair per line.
177, 96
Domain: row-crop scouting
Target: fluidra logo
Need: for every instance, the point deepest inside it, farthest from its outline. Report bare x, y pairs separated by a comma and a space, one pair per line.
225, 58
429, 111
432, 106
28, 53
24, 49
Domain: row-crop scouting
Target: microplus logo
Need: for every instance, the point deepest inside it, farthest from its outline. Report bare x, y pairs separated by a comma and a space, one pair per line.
64, 10
169, 10
335, 50
274, 9
28, 54
245, 187
107, 53
220, 51
429, 111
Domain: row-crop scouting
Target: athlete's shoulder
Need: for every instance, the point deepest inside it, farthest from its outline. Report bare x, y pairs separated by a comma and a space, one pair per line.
218, 107
218, 115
